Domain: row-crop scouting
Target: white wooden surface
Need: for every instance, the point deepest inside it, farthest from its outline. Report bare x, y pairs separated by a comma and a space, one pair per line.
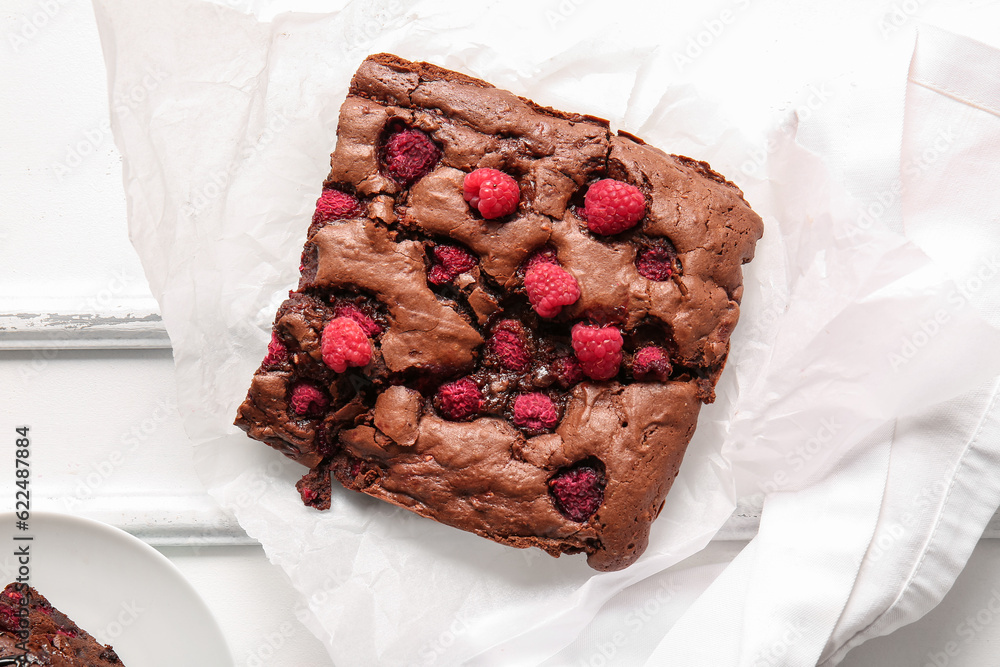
85, 362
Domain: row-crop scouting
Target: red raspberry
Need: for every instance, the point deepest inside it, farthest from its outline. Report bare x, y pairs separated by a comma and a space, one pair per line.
535, 411
344, 344
9, 619
357, 466
567, 371
613, 206
599, 350
651, 363
550, 287
410, 154
307, 399
493, 193
507, 343
449, 261
655, 263
460, 399
367, 324
276, 351
336, 205
578, 492
544, 255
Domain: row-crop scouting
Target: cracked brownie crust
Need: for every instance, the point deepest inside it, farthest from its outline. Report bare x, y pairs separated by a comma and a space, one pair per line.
521, 353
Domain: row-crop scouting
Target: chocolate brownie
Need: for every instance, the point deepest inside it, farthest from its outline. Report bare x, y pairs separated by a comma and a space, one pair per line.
33, 632
508, 316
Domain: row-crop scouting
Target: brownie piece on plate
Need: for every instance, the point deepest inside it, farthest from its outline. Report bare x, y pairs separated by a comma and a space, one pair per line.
508, 316
33, 632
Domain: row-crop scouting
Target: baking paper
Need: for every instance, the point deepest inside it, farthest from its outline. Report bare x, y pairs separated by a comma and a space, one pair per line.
226, 141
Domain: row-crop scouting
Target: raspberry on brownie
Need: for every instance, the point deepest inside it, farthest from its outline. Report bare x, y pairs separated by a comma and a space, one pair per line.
599, 350
613, 206
508, 316
409, 154
493, 193
549, 288
36, 633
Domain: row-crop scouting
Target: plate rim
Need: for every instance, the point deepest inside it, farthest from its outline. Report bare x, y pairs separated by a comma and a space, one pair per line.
113, 532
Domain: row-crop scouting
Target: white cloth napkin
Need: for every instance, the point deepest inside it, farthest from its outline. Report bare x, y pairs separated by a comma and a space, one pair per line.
943, 485
877, 542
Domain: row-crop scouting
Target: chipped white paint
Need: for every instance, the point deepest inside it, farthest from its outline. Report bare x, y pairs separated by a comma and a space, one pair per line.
137, 326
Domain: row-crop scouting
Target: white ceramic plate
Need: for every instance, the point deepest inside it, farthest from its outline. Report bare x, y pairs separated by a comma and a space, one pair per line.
118, 589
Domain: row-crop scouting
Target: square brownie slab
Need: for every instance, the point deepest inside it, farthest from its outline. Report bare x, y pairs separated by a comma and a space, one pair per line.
508, 316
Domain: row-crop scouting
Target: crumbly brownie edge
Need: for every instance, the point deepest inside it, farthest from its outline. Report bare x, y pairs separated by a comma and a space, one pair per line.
54, 639
425, 71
